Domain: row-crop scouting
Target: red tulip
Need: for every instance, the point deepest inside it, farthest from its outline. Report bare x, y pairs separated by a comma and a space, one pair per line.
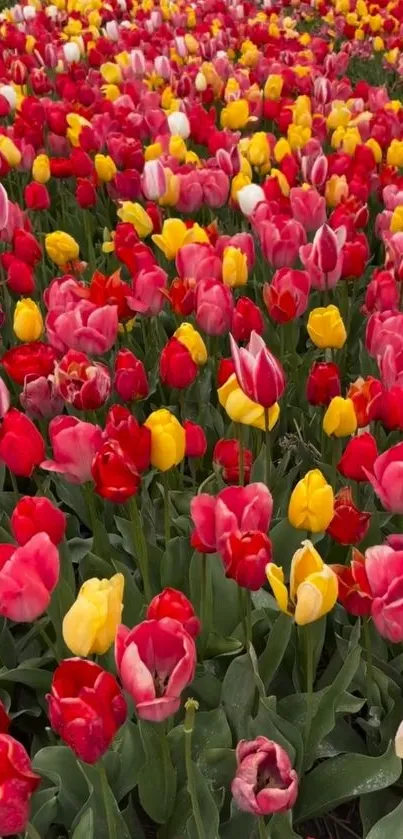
323, 383
246, 318
134, 439
382, 293
225, 369
354, 589
28, 575
34, 514
367, 396
286, 297
36, 196
358, 457
174, 604
75, 444
86, 195
355, 256
20, 275
226, 456
130, 380
108, 291
17, 783
177, 368
239, 510
21, 445
5, 720
196, 443
259, 373
264, 782
156, 660
349, 525
86, 707
115, 475
245, 556
83, 383
26, 247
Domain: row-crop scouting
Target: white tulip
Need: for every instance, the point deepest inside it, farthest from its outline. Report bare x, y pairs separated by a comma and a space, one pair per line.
399, 741
9, 93
112, 30
29, 12
71, 52
249, 197
179, 124
201, 82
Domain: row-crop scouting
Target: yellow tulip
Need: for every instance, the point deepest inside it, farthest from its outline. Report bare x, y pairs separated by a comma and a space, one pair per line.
177, 148
396, 222
259, 149
281, 149
311, 505
313, 586
61, 248
234, 267
171, 196
90, 624
394, 156
168, 439
105, 167
298, 136
76, 124
111, 73
191, 338
41, 169
153, 152
28, 321
375, 148
336, 189
175, 235
340, 418
242, 409
273, 87
326, 327
9, 151
238, 182
235, 115
136, 215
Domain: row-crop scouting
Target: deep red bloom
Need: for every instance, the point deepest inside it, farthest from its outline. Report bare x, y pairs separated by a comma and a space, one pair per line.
226, 368
245, 318
111, 291
86, 194
367, 396
181, 295
172, 603
20, 275
226, 456
21, 445
323, 383
134, 439
26, 247
355, 256
354, 589
17, 783
36, 196
245, 556
60, 167
83, 383
286, 297
37, 359
115, 475
358, 457
34, 514
86, 707
349, 525
196, 443
130, 380
382, 293
390, 408
177, 368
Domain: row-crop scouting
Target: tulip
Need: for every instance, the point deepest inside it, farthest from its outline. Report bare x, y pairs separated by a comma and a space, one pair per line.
61, 248
326, 328
33, 515
196, 443
384, 330
323, 258
82, 383
71, 52
225, 370
308, 208
82, 326
155, 660
39, 398
215, 185
259, 374
313, 586
349, 525
226, 456
36, 196
242, 409
74, 444
153, 182
105, 167
323, 383
136, 215
382, 293
26, 247
264, 782
187, 335
179, 125
168, 439
21, 445
133, 439
41, 169
358, 458
249, 197
4, 399
234, 267
281, 240
86, 707
286, 297
9, 151
384, 570
28, 576
89, 627
177, 368
115, 475
148, 291
17, 784
340, 418
175, 235
311, 505
354, 590
246, 318
28, 321
130, 381
171, 603
386, 478
214, 306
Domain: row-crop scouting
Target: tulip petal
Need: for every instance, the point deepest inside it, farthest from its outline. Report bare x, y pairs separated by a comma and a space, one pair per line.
275, 576
316, 596
305, 561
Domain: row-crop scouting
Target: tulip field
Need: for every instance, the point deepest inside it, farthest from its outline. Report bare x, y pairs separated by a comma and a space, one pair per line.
201, 419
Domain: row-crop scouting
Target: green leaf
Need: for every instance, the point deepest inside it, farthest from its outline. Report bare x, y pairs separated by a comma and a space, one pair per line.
207, 807
29, 676
239, 826
157, 777
175, 563
8, 653
220, 766
345, 777
274, 727
59, 764
211, 731
376, 806
44, 809
281, 827
277, 643
85, 827
390, 826
62, 599
102, 804
128, 746
285, 540
238, 693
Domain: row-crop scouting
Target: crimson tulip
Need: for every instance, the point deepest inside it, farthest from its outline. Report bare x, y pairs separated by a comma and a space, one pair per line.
358, 457
35, 514
115, 475
349, 525
226, 455
177, 368
21, 445
17, 783
171, 603
133, 438
130, 380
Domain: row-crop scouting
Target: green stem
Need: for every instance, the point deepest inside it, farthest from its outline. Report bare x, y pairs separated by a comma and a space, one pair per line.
241, 457
89, 497
49, 643
261, 828
13, 481
309, 667
267, 447
368, 653
191, 707
167, 517
241, 608
206, 605
110, 821
248, 617
140, 546
31, 832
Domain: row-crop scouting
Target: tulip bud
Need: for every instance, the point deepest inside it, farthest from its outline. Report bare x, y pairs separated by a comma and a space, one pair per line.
200, 83
311, 505
138, 62
90, 624
162, 67
174, 604
168, 439
28, 321
196, 443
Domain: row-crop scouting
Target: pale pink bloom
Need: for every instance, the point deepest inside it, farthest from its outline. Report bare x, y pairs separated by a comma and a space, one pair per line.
265, 781
215, 184
387, 479
384, 570
190, 192
74, 444
153, 180
83, 326
281, 240
39, 397
214, 306
148, 291
198, 261
4, 398
28, 575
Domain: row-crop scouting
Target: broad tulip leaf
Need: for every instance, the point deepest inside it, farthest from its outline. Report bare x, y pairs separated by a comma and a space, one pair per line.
277, 643
157, 777
59, 764
238, 693
345, 777
103, 805
85, 827
207, 807
32, 677
390, 826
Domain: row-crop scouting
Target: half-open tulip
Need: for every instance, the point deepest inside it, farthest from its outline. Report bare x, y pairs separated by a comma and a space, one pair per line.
90, 624
264, 782
313, 586
311, 504
259, 373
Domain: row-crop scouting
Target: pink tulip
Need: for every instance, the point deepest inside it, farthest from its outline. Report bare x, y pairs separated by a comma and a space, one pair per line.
214, 306
153, 180
28, 575
323, 259
264, 782
384, 329
384, 569
83, 326
4, 398
229, 161
381, 294
39, 397
243, 241
234, 509
148, 285
4, 205
390, 364
198, 261
74, 444
387, 478
259, 373
62, 291
215, 184
280, 240
155, 660
308, 207
190, 193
